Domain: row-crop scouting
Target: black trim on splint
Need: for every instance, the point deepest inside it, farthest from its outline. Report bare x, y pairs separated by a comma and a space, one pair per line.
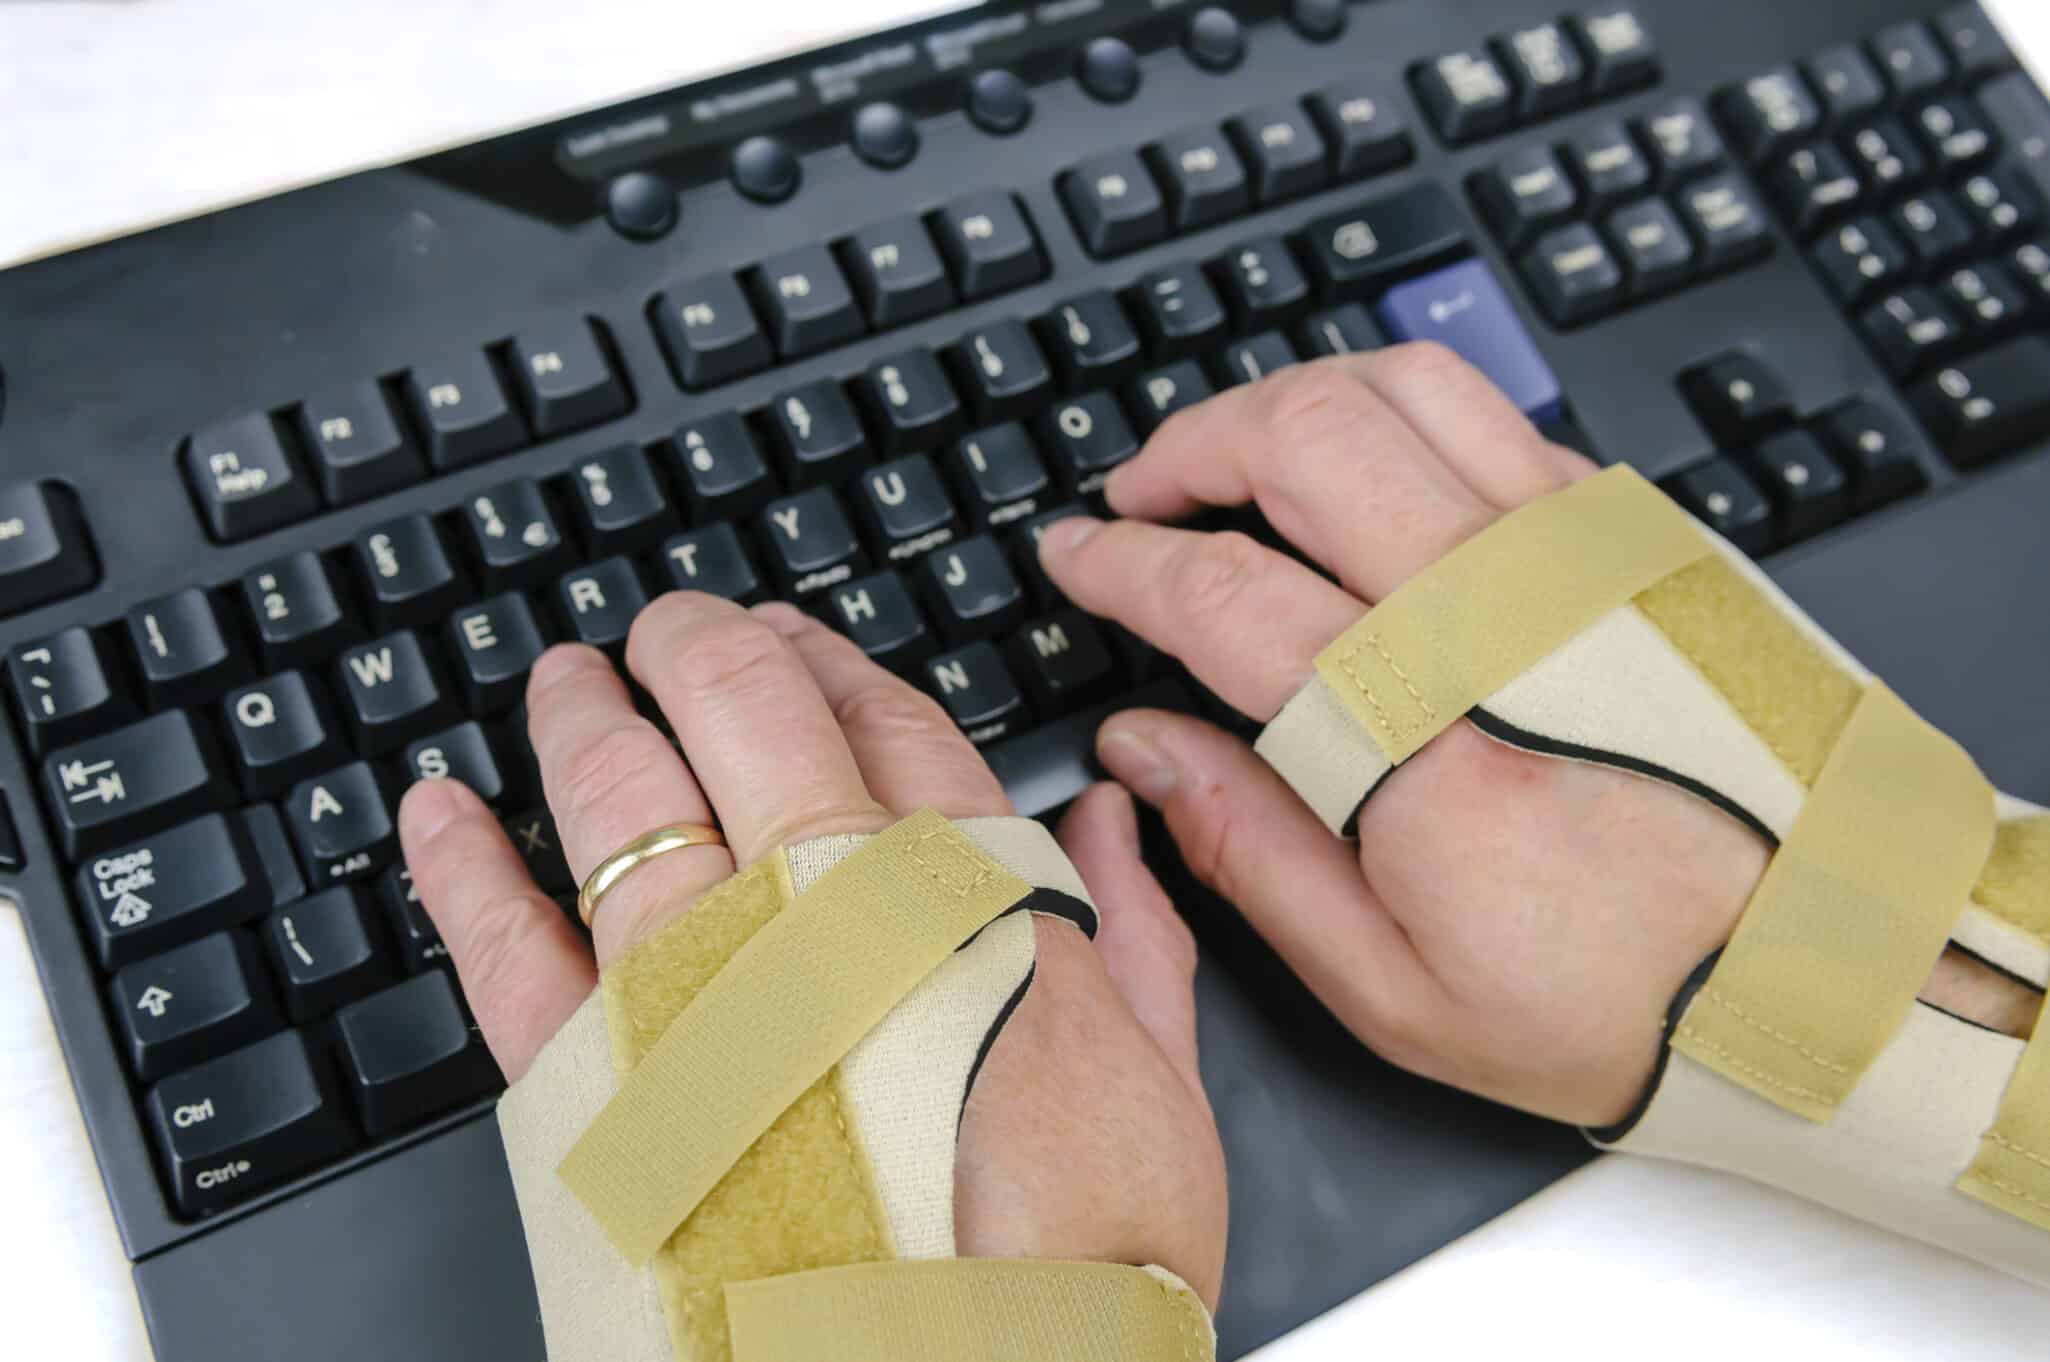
989, 1039
1975, 1025
1351, 827
1993, 965
1053, 903
1682, 998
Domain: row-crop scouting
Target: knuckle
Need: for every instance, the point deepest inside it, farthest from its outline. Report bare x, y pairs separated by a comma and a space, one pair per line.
1418, 363
890, 711
600, 768
1307, 400
1213, 574
725, 651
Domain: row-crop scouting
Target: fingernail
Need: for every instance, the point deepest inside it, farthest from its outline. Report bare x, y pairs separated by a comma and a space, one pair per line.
427, 808
1065, 536
785, 619
1138, 762
562, 660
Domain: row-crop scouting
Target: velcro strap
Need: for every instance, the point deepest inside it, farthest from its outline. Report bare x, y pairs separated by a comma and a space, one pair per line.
1850, 916
969, 1310
782, 1012
2012, 1169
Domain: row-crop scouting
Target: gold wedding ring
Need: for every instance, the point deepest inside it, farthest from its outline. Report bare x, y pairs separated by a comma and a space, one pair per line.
646, 847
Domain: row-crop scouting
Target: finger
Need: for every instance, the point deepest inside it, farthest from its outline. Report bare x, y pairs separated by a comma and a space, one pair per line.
523, 967
610, 776
1245, 834
1479, 433
911, 755
1146, 947
761, 739
1246, 620
1332, 466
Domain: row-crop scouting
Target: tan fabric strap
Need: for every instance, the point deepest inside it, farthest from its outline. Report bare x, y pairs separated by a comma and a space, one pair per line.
2012, 1170
783, 1011
1850, 916
970, 1310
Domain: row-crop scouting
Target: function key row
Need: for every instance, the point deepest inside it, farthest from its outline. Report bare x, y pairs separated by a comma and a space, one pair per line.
256, 473
1535, 73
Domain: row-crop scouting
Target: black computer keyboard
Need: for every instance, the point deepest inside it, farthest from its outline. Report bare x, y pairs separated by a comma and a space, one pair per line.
296, 494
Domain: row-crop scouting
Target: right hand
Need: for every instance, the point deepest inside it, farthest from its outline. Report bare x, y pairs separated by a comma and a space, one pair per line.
1511, 923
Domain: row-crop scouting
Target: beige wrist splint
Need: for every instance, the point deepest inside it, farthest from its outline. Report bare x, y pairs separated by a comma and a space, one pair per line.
742, 1144
1602, 624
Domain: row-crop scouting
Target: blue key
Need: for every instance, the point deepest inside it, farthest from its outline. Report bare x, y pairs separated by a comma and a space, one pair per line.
1464, 307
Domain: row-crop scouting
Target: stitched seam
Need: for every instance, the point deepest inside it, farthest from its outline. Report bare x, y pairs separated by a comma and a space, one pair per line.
1741, 1015
1688, 1033
2011, 1190
2031, 1155
1345, 664
1181, 1318
958, 857
1374, 641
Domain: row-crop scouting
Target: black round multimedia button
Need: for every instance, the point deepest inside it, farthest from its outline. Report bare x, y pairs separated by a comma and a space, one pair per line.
765, 170
999, 102
1214, 39
640, 205
884, 134
1110, 70
1318, 20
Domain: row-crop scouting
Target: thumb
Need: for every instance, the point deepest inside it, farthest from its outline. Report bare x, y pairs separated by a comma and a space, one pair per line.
1146, 947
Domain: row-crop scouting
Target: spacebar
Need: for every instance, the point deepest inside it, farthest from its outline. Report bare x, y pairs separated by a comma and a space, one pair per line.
1049, 766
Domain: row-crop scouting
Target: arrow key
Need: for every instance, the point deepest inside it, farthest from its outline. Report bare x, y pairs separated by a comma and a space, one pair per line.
186, 1005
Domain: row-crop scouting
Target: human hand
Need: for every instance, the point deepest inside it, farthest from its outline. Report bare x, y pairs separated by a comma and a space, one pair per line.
1086, 1135
1511, 923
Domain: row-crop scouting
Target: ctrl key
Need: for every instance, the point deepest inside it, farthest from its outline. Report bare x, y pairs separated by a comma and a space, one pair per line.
238, 1124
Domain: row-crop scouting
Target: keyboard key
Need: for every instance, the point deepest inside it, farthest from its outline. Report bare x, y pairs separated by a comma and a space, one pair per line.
1524, 193
322, 952
1108, 69
1201, 176
1886, 156
1025, 551
171, 887
1881, 451
1723, 497
1002, 369
1091, 340
1464, 307
1989, 300
1365, 133
904, 509
1115, 205
533, 836
2000, 202
896, 272
806, 301
1726, 221
620, 508
913, 403
1683, 141
598, 603
238, 1124
819, 433
765, 169
1934, 227
1771, 111
184, 651
999, 102
62, 689
406, 574
1737, 399
1178, 310
243, 480
1573, 275
709, 332
1546, 69
198, 1000
1914, 62
1655, 250
1813, 185
711, 560
971, 590
1607, 164
1973, 40
564, 378
342, 825
1161, 393
1063, 662
390, 694
1807, 489
1954, 132
877, 612
420, 945
495, 642
1860, 258
1911, 329
2031, 264
724, 474
1349, 253
975, 688
997, 475
1620, 51
988, 244
279, 734
2021, 116
298, 614
463, 411
1084, 439
461, 753
1261, 283
1848, 83
1252, 359
1342, 330
809, 543
513, 535
1467, 94
358, 449
1989, 404
409, 1053
1282, 150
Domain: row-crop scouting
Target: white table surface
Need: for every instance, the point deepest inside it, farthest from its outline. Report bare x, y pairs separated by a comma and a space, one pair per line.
116, 116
